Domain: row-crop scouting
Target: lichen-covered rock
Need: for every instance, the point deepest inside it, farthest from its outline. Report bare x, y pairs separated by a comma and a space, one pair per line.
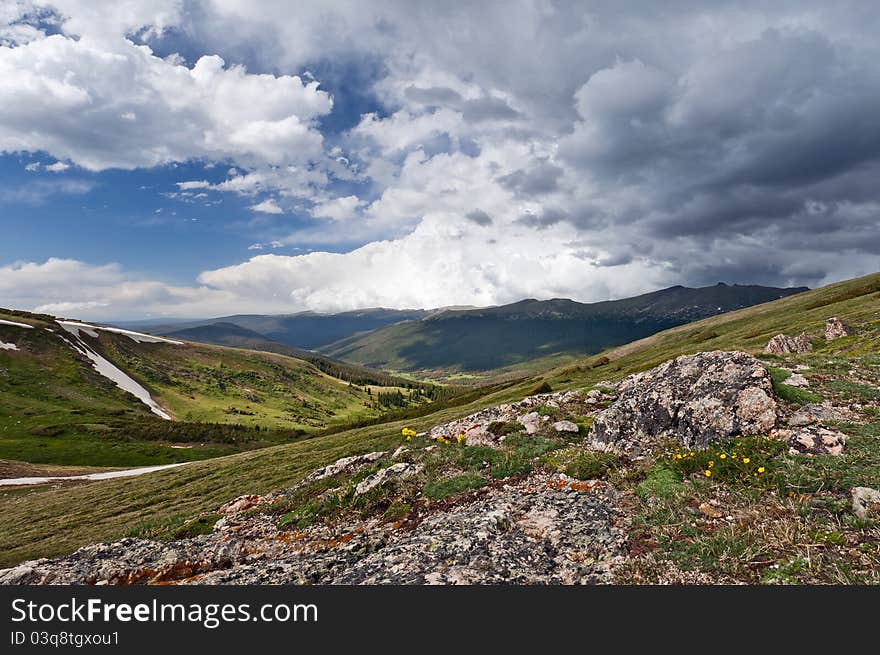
836, 328
345, 465
821, 413
865, 502
397, 471
475, 427
543, 529
565, 426
812, 440
694, 399
783, 344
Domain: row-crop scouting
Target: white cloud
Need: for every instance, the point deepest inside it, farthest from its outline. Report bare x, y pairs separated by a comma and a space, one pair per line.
72, 99
193, 184
57, 167
268, 206
32, 167
338, 209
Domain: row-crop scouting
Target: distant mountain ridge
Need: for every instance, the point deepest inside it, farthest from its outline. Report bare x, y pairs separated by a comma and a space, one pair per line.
497, 337
476, 339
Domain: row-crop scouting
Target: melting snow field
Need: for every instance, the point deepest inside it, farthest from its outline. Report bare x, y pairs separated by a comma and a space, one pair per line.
89, 476
8, 346
108, 370
21, 325
92, 331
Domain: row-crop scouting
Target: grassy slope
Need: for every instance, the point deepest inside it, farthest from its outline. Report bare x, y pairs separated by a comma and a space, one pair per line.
204, 383
55, 409
51, 521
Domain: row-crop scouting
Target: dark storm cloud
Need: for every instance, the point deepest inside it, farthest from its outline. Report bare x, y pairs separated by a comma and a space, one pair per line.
543, 178
548, 217
479, 217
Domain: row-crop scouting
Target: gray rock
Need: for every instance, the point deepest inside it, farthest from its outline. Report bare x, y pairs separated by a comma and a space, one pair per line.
836, 328
397, 471
783, 344
344, 465
812, 440
797, 380
565, 426
475, 427
820, 413
865, 502
694, 399
531, 422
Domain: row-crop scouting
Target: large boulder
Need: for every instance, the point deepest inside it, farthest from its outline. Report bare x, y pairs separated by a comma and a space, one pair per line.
782, 344
693, 399
835, 328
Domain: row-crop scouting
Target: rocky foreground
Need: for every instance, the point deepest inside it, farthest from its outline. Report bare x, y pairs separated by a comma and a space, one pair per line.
511, 494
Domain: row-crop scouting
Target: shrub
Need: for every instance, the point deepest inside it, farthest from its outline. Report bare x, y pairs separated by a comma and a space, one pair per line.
544, 387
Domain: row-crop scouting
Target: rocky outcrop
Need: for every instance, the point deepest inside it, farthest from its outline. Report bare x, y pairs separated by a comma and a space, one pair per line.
398, 471
811, 440
821, 413
836, 328
476, 427
543, 529
694, 399
783, 344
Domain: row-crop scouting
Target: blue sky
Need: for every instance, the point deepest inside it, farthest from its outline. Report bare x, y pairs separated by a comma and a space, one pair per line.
207, 157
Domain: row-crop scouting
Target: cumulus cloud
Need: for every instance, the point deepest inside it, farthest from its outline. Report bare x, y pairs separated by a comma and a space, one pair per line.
268, 206
113, 104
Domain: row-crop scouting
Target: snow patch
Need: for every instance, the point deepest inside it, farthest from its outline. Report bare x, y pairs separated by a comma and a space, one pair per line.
22, 325
110, 371
91, 330
8, 346
89, 476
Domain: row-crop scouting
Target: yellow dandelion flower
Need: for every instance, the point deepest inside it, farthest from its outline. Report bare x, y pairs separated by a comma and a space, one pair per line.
746, 460
760, 469
722, 456
708, 473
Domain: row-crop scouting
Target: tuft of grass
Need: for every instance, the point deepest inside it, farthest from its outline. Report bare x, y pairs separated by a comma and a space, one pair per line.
661, 482
582, 464
443, 488
175, 527
547, 410
791, 394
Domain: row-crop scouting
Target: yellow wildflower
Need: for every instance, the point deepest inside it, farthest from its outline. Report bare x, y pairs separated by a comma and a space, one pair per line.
722, 456
746, 460
708, 473
760, 469
711, 464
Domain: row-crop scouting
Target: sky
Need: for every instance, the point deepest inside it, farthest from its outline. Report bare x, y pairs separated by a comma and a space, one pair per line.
194, 158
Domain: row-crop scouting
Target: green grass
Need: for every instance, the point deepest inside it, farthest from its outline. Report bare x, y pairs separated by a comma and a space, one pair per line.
449, 486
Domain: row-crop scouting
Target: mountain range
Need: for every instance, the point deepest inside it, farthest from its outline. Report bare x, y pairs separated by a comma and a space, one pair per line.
476, 339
